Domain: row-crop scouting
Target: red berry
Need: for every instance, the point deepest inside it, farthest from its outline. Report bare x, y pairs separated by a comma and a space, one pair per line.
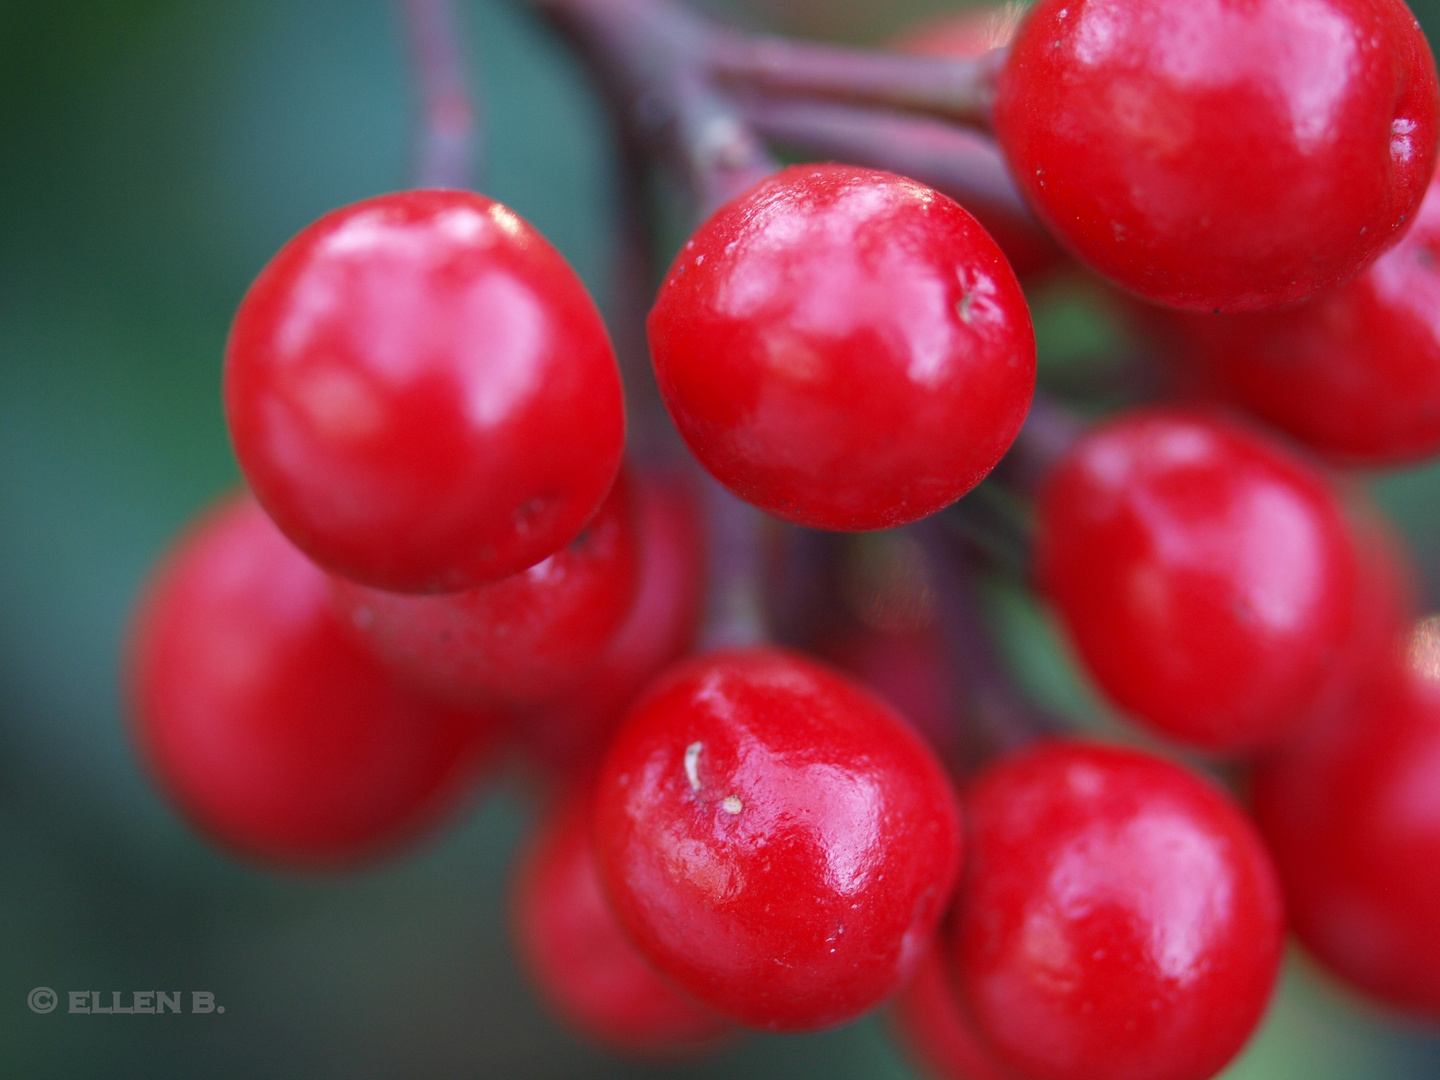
422, 394
1207, 578
844, 348
1355, 374
1352, 815
1118, 917
1221, 154
275, 733
935, 1027
529, 637
659, 629
578, 958
775, 839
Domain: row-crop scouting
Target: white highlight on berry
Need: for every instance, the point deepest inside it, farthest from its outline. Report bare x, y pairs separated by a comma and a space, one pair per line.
692, 764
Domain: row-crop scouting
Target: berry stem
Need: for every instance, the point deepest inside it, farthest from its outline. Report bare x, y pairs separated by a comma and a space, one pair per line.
650, 58
448, 154
735, 608
995, 520
924, 149
957, 89
999, 717
1049, 432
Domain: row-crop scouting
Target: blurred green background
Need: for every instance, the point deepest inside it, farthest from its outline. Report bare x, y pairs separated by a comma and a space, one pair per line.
152, 156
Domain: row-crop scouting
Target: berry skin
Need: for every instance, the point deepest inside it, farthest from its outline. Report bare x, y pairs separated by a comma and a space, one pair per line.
1355, 374
932, 1024
580, 960
1118, 917
276, 735
1221, 155
661, 628
774, 839
844, 348
1207, 578
422, 395
527, 638
1352, 817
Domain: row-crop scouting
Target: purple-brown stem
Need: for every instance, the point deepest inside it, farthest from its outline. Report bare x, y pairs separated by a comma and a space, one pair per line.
735, 609
963, 164
649, 56
1050, 431
448, 151
1000, 719
957, 89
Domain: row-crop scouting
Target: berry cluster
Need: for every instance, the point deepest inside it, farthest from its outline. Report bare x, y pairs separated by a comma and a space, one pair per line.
443, 551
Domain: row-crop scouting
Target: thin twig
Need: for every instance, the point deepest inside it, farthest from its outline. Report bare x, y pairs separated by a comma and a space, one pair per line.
736, 609
960, 162
1000, 718
957, 89
448, 152
649, 55
1049, 432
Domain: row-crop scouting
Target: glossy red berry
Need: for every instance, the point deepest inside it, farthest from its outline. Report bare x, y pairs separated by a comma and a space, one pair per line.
774, 839
1207, 577
935, 1028
1352, 815
579, 959
421, 393
844, 348
1118, 917
1355, 374
526, 638
275, 734
660, 628
1221, 154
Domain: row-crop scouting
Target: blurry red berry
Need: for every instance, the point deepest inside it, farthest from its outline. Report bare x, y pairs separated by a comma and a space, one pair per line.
1207, 578
272, 730
1118, 917
1221, 154
421, 393
660, 628
1355, 374
526, 638
774, 839
935, 1028
580, 960
844, 348
1352, 815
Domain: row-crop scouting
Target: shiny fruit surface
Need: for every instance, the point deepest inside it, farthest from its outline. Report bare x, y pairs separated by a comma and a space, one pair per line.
844, 348
580, 960
421, 393
775, 839
1118, 917
1353, 374
1207, 576
1221, 155
527, 638
661, 627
